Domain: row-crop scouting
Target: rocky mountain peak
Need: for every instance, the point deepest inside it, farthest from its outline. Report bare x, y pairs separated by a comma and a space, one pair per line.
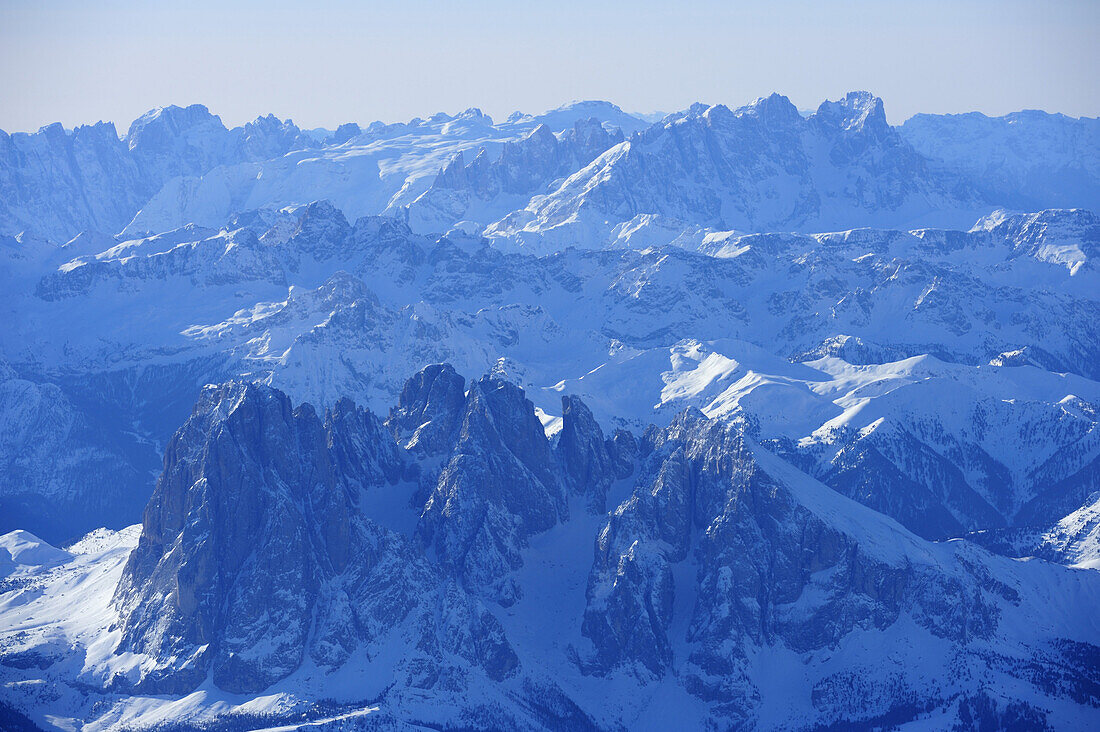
583, 452
428, 410
254, 554
498, 487
541, 134
708, 498
187, 130
859, 111
343, 133
281, 549
452, 175
343, 288
774, 110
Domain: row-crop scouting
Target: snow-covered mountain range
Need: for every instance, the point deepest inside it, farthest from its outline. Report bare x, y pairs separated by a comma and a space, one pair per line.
760, 167
742, 418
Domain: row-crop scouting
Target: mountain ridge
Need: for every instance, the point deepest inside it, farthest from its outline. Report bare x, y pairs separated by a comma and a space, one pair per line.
229, 519
744, 417
181, 164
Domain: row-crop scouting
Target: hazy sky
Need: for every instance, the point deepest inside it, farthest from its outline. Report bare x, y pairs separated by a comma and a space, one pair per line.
326, 62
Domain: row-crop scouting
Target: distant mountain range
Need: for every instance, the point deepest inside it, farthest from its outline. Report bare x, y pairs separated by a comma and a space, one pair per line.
741, 418
762, 167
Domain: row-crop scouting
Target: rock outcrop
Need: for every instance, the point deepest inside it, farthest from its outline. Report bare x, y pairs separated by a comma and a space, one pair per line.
254, 555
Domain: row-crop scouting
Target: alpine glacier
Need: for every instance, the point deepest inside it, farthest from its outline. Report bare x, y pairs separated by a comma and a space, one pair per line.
742, 418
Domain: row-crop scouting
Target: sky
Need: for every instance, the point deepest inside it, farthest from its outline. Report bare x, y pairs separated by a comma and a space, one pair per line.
326, 62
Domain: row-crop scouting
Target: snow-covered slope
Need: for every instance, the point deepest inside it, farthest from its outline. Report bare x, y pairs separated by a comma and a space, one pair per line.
1018, 159
58, 183
1075, 539
287, 558
303, 299
722, 459
757, 168
381, 166
566, 116
178, 166
480, 192
760, 167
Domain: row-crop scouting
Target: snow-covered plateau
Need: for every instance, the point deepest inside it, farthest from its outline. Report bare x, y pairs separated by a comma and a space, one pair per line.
742, 418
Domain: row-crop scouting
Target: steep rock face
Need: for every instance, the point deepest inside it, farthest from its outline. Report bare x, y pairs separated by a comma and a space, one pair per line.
57, 183
757, 168
622, 449
246, 485
1017, 159
428, 410
270, 137
588, 461
498, 487
320, 233
361, 448
715, 554
173, 141
186, 141
253, 554
896, 474
281, 558
60, 474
